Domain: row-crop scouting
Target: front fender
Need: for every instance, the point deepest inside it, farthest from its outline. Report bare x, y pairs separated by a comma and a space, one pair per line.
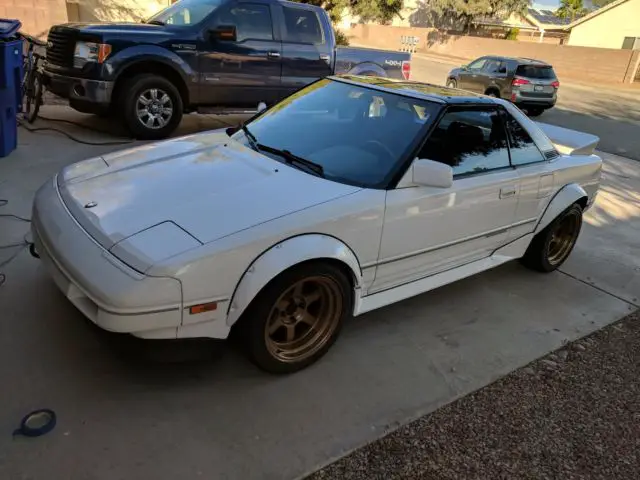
563, 199
116, 65
284, 255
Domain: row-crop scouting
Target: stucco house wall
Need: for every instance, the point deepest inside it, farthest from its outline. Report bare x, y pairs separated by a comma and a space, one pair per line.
609, 28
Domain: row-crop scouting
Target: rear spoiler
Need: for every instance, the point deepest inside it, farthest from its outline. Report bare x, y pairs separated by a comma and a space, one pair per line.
570, 142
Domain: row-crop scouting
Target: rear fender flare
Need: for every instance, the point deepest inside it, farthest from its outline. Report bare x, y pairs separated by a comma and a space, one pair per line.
563, 199
284, 255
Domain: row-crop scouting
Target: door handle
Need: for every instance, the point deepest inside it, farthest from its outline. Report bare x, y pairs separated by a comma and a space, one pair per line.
326, 58
506, 192
273, 54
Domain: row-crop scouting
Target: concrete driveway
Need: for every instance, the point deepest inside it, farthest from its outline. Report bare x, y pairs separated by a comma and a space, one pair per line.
122, 419
612, 113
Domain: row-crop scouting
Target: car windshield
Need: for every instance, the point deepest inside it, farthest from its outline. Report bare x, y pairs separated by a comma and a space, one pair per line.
185, 12
358, 135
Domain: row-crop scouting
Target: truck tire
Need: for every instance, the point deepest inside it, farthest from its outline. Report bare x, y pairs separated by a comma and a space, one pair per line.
152, 107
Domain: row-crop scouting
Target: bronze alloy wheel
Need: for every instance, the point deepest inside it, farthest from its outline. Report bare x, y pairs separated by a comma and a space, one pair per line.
303, 319
562, 239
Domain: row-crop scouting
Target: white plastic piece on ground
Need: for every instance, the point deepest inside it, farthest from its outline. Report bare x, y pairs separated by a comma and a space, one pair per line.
570, 142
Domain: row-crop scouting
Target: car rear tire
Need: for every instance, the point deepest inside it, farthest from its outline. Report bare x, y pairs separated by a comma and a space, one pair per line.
552, 246
297, 317
452, 83
152, 107
492, 93
535, 112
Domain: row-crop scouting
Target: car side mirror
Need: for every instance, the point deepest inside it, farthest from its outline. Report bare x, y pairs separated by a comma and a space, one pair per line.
226, 33
429, 173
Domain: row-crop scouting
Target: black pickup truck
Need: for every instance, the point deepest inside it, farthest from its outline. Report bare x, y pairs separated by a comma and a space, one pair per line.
202, 55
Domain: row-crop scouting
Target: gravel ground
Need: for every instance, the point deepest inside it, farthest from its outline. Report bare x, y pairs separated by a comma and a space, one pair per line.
572, 414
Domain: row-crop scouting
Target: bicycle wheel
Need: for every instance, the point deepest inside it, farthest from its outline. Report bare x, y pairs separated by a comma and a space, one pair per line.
32, 96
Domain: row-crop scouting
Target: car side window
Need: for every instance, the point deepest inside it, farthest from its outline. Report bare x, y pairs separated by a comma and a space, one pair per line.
477, 65
523, 148
303, 26
470, 141
496, 66
252, 21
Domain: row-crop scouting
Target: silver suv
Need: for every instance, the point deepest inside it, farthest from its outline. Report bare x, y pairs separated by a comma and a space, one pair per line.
531, 84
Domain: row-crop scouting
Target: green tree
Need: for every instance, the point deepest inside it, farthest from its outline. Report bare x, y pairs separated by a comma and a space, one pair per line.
381, 11
464, 12
571, 9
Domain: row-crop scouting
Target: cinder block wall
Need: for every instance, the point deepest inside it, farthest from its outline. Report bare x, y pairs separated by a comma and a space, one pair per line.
36, 16
600, 65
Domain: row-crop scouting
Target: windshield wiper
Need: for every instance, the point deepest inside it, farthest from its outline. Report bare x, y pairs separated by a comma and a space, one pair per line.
293, 159
155, 22
251, 138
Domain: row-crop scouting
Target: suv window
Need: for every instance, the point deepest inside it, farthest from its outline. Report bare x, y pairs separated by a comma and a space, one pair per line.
470, 141
536, 71
496, 66
477, 65
302, 25
252, 21
523, 149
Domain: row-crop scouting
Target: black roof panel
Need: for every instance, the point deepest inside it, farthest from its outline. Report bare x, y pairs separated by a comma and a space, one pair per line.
425, 91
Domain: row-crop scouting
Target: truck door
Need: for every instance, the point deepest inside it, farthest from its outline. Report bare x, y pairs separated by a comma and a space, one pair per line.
307, 50
240, 56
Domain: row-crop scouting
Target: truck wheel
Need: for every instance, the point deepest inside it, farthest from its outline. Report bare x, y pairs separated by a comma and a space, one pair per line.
552, 246
296, 318
152, 107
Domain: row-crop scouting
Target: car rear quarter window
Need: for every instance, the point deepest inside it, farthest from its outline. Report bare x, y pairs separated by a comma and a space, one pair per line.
523, 149
540, 72
302, 26
470, 141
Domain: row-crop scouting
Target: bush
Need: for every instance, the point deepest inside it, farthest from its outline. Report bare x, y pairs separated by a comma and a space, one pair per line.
341, 38
512, 34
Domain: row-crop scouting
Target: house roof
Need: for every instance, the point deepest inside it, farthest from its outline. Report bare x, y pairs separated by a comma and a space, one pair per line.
537, 20
546, 19
595, 13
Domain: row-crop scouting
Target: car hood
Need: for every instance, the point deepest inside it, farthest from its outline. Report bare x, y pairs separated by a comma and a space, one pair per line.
207, 185
113, 28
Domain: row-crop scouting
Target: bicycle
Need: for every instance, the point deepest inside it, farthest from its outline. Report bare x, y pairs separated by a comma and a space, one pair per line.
32, 80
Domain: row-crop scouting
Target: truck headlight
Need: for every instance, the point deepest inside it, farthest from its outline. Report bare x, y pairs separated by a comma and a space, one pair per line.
90, 52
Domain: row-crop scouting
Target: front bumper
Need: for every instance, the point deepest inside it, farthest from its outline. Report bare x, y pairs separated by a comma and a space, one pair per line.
107, 292
80, 89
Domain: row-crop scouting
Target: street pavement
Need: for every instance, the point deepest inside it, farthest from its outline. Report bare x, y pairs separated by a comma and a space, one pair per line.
216, 419
611, 112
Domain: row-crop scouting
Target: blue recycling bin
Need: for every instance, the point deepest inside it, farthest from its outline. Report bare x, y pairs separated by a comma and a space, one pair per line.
10, 84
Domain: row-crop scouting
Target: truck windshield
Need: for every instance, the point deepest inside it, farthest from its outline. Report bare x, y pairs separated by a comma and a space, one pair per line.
358, 135
185, 12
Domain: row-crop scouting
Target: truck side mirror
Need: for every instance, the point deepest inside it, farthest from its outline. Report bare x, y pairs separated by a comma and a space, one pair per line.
224, 33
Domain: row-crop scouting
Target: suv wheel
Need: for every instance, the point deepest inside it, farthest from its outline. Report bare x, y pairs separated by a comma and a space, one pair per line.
451, 83
152, 107
535, 112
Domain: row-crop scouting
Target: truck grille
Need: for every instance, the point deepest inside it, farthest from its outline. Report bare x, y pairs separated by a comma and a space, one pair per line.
61, 45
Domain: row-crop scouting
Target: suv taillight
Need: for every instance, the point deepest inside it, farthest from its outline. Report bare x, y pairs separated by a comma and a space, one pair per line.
406, 69
519, 81
555, 84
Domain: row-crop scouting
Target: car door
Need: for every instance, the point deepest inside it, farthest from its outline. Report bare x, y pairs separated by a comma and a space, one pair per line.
536, 173
428, 230
307, 54
472, 77
495, 73
244, 71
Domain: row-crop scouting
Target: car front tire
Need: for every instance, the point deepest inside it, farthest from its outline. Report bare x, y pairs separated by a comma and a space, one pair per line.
297, 317
552, 246
452, 83
152, 107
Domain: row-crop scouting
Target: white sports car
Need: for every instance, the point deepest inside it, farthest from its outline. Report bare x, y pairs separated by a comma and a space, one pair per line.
352, 194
